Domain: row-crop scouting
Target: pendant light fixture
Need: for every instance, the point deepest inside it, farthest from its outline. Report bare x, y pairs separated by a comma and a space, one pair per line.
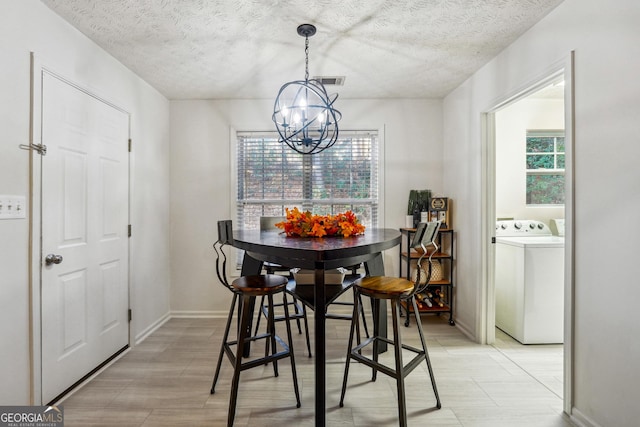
303, 111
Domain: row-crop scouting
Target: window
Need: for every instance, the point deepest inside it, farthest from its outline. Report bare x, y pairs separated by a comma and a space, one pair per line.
545, 167
272, 177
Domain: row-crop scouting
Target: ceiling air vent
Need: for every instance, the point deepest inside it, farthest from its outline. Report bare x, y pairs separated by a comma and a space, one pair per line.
331, 80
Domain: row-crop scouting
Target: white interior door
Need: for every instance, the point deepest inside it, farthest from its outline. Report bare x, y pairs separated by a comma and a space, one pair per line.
85, 182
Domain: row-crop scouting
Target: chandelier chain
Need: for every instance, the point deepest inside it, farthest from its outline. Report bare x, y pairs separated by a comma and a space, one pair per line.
306, 58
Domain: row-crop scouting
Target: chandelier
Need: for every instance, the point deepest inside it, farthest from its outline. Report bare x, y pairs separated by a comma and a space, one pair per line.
303, 111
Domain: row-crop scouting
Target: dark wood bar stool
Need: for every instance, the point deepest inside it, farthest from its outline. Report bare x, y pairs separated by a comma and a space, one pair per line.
245, 289
396, 290
267, 223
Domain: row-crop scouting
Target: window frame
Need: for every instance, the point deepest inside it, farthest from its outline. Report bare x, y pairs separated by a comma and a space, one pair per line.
547, 133
378, 159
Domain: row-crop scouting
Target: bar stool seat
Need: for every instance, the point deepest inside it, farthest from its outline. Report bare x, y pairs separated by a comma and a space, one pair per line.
245, 289
383, 287
395, 290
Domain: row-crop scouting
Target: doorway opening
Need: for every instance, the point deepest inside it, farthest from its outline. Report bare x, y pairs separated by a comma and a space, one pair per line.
528, 196
529, 256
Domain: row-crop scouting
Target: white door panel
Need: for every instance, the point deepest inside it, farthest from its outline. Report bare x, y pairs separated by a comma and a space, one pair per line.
84, 220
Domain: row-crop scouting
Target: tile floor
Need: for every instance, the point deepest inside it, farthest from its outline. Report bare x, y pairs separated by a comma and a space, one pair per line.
165, 381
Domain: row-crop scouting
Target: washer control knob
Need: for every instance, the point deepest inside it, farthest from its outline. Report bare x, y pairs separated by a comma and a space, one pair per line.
531, 225
503, 226
540, 226
517, 225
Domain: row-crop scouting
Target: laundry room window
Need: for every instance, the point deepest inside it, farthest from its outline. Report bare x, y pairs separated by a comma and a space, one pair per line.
545, 158
272, 177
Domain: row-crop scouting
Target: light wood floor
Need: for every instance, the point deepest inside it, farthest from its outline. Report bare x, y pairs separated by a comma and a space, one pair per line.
165, 381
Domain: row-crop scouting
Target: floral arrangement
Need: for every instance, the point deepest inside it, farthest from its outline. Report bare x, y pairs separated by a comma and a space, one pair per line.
305, 224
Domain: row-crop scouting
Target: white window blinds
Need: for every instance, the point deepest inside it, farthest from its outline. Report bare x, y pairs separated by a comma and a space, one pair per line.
272, 177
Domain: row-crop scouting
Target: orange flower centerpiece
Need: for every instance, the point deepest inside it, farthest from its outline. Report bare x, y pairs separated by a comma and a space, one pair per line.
305, 224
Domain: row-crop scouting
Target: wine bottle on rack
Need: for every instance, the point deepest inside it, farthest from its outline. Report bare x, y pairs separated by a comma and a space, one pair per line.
440, 296
437, 301
419, 301
425, 300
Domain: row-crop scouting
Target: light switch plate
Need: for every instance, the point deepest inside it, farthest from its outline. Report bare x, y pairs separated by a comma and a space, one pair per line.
13, 207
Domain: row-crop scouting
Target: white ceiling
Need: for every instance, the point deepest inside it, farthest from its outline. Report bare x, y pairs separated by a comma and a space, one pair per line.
207, 49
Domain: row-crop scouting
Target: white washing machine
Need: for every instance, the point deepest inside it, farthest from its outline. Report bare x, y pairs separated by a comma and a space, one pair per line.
529, 282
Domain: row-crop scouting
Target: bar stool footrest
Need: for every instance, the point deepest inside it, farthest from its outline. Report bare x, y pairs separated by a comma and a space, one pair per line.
406, 369
231, 355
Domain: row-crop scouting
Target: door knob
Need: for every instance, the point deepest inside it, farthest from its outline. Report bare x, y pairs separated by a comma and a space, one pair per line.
53, 259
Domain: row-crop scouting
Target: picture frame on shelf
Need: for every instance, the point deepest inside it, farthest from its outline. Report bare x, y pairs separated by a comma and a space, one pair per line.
440, 210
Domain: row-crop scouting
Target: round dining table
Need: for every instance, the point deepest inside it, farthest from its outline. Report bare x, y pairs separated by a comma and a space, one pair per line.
318, 254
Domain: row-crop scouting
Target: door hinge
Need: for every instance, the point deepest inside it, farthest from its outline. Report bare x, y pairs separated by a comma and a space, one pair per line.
130, 314
129, 230
130, 143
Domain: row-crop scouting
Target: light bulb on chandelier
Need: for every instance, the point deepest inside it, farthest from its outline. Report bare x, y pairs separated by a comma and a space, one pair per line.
303, 111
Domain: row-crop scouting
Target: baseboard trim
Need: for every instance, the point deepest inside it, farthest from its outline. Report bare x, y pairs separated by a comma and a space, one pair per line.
199, 314
581, 420
465, 330
152, 328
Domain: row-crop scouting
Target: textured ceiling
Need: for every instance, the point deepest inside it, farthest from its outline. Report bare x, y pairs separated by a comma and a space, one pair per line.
205, 49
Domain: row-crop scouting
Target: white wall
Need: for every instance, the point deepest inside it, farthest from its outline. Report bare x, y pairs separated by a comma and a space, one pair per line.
26, 26
201, 177
14, 242
605, 38
512, 124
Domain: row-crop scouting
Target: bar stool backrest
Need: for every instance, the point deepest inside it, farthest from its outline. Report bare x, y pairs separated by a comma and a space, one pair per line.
427, 243
225, 237
417, 236
269, 222
225, 232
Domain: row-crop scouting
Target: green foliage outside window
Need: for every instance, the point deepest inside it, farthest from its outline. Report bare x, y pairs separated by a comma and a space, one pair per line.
545, 162
545, 189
